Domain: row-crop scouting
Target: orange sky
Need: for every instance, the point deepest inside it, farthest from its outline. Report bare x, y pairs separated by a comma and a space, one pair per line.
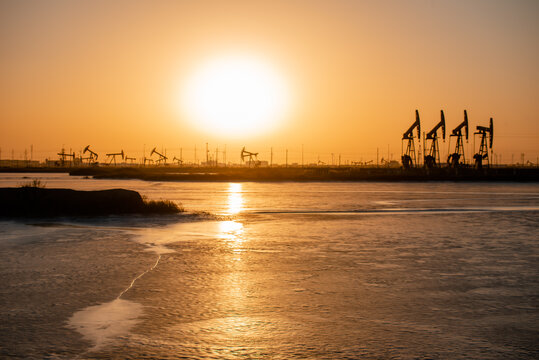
107, 73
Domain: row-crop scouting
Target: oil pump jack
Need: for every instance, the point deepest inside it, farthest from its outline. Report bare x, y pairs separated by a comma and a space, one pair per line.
433, 153
63, 156
178, 161
253, 157
453, 160
162, 158
112, 157
408, 158
130, 159
92, 159
147, 160
484, 147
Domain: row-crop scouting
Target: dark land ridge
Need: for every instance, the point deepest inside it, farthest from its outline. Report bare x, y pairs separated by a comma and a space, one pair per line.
294, 173
28, 201
311, 174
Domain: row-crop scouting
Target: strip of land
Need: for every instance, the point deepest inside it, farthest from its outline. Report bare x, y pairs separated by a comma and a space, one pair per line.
296, 173
28, 201
312, 174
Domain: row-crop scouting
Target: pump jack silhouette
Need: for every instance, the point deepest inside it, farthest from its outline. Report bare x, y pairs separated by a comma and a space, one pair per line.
112, 157
178, 161
482, 155
409, 158
63, 155
130, 159
162, 158
453, 160
92, 159
253, 157
432, 158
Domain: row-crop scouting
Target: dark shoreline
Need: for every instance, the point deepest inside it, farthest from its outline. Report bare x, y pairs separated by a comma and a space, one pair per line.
311, 174
31, 202
297, 174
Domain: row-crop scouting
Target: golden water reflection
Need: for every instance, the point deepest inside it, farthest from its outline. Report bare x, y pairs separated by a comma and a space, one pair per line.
231, 232
235, 198
235, 283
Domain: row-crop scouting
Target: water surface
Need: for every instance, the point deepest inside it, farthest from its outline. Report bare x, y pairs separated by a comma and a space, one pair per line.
287, 270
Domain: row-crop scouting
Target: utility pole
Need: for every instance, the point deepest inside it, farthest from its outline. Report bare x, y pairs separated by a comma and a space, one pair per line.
286, 157
195, 154
339, 159
224, 156
377, 157
301, 155
271, 157
217, 156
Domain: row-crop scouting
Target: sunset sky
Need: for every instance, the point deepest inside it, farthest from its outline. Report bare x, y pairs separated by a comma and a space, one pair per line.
114, 74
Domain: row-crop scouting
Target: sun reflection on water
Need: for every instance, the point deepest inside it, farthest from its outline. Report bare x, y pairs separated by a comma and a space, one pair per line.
234, 281
231, 232
230, 228
235, 198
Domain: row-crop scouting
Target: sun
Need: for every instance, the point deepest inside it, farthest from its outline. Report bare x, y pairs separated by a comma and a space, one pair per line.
235, 96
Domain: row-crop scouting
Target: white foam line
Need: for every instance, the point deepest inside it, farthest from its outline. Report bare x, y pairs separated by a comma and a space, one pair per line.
141, 275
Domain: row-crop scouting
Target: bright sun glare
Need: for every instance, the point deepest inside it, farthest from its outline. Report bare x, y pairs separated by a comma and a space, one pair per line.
235, 96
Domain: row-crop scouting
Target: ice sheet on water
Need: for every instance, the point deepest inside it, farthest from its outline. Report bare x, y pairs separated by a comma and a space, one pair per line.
17, 232
104, 323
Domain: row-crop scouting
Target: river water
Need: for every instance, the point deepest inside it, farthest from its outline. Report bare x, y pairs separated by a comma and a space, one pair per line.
280, 271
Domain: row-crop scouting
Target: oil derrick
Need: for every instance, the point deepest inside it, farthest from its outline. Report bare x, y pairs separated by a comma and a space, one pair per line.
63, 156
162, 158
147, 160
112, 157
454, 159
130, 159
409, 158
482, 155
432, 150
178, 161
253, 157
92, 158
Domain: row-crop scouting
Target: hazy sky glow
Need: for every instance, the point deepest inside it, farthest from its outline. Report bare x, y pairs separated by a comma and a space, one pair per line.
107, 73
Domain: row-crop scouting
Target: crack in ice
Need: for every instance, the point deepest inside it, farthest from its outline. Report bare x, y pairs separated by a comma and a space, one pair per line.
140, 275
